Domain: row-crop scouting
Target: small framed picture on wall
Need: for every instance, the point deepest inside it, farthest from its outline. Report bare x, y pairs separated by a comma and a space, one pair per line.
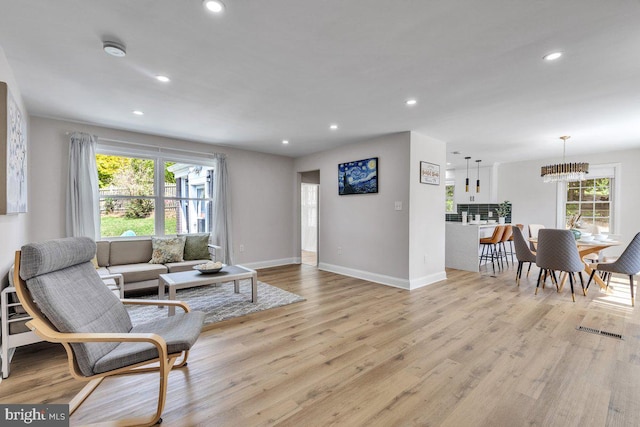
429, 173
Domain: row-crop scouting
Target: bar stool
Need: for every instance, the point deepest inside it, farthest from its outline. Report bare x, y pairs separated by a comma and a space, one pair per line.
502, 249
490, 246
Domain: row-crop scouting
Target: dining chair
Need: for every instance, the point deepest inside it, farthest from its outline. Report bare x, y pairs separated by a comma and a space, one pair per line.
490, 248
533, 233
557, 251
523, 253
628, 263
510, 240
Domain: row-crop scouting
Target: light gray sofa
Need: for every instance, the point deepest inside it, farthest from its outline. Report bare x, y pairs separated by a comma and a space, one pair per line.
130, 258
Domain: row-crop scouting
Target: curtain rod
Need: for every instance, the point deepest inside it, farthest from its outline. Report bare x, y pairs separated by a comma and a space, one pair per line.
156, 147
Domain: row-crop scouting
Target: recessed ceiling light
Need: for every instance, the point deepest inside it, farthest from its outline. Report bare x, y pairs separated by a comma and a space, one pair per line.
215, 6
138, 113
552, 56
285, 142
333, 126
114, 49
163, 79
411, 102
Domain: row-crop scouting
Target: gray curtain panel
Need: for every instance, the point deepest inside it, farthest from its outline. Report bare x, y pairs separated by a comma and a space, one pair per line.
83, 212
221, 221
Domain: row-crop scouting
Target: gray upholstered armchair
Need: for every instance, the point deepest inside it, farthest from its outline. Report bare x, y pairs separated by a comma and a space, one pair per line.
59, 287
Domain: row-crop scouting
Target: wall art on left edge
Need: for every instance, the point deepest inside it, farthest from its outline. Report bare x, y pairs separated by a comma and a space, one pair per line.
358, 177
13, 155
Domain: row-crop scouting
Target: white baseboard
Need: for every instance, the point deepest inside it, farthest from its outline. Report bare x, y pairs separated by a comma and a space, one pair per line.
428, 280
270, 263
396, 282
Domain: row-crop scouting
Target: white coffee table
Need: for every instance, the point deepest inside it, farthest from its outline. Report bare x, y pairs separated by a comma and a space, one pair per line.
193, 278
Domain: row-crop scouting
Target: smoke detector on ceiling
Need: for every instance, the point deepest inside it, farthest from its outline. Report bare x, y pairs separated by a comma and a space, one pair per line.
114, 49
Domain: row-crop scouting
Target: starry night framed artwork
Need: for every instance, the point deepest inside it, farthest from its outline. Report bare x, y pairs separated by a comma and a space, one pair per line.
358, 177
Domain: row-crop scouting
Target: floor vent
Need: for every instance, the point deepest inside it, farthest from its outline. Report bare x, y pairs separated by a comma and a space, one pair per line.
599, 332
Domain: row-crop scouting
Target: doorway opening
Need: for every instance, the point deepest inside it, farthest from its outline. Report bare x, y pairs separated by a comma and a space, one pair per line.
309, 223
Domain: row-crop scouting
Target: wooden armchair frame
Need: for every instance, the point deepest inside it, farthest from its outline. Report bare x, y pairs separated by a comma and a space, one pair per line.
166, 362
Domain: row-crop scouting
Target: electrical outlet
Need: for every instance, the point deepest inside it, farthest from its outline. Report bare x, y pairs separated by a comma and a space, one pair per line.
339, 250
398, 206
241, 248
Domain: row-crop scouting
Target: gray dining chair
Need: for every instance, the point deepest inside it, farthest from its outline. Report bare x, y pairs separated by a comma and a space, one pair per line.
557, 251
628, 263
533, 233
523, 253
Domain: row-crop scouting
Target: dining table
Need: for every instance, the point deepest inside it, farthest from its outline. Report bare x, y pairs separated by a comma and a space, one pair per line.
587, 247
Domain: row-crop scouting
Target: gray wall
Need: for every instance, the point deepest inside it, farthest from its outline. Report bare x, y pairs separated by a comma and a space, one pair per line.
262, 199
13, 228
363, 235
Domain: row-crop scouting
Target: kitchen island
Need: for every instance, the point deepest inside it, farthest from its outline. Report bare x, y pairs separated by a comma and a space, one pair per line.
462, 244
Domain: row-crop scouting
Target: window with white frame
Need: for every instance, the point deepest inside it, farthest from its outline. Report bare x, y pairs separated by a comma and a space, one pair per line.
144, 196
450, 200
593, 200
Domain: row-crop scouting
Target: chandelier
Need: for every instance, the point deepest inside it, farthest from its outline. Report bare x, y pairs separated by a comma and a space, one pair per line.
564, 171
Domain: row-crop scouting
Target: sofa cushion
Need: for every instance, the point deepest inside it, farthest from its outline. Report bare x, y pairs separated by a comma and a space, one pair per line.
167, 249
196, 246
138, 272
129, 251
102, 253
174, 267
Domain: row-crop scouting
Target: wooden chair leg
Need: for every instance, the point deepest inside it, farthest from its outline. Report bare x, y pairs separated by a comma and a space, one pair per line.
584, 291
529, 269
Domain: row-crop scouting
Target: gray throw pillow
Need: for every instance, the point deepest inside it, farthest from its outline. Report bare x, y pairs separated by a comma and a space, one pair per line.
196, 246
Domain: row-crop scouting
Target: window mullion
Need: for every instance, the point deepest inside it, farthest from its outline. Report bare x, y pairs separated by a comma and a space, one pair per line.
159, 200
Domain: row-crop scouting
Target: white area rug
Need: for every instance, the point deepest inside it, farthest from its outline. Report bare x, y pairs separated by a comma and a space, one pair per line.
219, 302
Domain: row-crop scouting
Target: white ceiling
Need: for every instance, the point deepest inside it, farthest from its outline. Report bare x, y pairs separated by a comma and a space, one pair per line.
286, 69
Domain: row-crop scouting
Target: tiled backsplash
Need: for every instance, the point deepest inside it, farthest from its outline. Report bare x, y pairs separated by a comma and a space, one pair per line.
478, 208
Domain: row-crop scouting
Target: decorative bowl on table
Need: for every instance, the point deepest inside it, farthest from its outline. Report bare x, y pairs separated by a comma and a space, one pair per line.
209, 267
601, 237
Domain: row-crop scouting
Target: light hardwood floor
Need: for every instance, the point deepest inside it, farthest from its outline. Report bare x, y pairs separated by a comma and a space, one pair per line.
474, 350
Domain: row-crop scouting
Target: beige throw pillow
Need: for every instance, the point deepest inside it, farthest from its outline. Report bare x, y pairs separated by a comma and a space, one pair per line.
167, 249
